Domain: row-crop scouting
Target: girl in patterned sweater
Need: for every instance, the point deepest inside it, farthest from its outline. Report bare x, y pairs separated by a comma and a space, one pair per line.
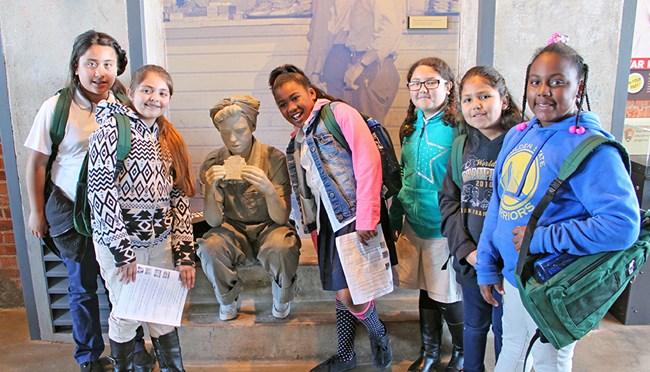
144, 216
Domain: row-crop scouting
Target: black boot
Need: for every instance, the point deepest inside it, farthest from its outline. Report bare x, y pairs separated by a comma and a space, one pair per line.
142, 360
457, 358
122, 355
431, 332
168, 352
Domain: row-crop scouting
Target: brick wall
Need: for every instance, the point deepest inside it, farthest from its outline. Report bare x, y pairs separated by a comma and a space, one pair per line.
10, 286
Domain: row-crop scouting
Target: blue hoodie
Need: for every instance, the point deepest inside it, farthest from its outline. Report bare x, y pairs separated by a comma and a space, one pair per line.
596, 210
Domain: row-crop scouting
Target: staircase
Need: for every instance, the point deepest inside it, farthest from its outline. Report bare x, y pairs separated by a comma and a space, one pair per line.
255, 340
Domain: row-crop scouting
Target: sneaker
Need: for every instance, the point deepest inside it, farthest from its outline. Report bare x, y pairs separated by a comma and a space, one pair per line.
281, 310
228, 311
382, 353
334, 364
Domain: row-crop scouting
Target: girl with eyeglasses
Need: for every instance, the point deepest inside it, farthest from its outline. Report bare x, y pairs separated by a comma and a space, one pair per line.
422, 251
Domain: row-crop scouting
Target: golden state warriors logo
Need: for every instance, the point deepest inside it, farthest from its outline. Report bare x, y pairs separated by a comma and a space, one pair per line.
519, 180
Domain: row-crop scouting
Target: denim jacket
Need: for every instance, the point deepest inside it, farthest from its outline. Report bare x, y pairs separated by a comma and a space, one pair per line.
334, 165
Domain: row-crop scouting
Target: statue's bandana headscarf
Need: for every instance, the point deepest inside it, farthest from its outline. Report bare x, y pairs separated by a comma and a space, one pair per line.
242, 105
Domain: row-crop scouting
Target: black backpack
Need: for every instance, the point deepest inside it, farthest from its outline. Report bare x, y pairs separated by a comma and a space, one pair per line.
390, 167
82, 209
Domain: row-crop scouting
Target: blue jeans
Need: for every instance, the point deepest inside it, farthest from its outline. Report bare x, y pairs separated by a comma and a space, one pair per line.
478, 317
84, 305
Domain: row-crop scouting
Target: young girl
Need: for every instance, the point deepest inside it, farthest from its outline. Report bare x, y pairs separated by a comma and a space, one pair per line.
339, 193
589, 214
144, 216
488, 113
96, 61
422, 251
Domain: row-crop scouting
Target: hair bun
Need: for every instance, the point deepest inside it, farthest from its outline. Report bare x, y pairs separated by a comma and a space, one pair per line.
284, 69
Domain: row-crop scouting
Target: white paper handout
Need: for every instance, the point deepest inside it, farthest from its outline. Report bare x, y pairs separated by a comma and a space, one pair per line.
367, 268
156, 296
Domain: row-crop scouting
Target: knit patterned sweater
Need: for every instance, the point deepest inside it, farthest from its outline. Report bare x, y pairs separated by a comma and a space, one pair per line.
142, 207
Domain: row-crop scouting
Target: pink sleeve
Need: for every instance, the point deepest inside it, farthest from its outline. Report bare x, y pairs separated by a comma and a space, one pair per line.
366, 163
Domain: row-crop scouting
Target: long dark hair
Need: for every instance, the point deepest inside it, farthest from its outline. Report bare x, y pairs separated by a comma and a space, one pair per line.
510, 116
171, 141
81, 45
564, 51
449, 116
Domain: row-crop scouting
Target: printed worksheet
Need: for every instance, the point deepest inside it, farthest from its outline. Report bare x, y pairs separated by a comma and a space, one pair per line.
367, 268
156, 296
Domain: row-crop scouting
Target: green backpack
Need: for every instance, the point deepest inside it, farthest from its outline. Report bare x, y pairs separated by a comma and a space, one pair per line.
457, 148
390, 167
572, 302
82, 209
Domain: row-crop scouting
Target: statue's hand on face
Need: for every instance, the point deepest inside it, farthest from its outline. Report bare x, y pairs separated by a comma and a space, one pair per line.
256, 177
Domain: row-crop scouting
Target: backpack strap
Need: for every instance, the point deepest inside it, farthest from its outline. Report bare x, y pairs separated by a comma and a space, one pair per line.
332, 126
59, 122
123, 141
584, 149
457, 148
82, 208
537, 336
569, 166
122, 98
60, 119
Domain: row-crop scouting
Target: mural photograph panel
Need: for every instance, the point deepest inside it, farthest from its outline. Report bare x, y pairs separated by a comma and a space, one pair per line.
356, 50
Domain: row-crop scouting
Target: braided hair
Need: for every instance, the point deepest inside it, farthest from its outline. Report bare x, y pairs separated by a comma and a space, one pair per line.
451, 107
564, 51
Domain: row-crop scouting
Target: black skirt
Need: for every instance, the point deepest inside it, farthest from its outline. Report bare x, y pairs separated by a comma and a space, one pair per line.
331, 272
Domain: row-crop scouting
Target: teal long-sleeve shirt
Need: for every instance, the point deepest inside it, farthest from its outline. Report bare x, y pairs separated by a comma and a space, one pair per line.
424, 158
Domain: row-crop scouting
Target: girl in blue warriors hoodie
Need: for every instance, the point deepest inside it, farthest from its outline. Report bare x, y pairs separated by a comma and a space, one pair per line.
595, 211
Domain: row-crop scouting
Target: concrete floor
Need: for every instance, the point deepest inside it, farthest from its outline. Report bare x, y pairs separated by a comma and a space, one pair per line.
613, 347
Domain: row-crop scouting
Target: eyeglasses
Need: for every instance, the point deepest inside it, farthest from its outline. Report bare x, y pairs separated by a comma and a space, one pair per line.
414, 86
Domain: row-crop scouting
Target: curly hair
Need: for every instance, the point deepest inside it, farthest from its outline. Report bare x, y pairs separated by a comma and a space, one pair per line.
451, 104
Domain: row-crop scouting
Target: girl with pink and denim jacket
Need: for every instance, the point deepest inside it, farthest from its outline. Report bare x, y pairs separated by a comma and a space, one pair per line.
338, 193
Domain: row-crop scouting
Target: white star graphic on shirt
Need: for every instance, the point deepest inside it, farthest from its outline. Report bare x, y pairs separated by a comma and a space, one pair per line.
431, 152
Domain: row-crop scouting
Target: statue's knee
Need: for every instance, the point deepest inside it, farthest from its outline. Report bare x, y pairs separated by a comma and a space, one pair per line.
283, 240
212, 246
